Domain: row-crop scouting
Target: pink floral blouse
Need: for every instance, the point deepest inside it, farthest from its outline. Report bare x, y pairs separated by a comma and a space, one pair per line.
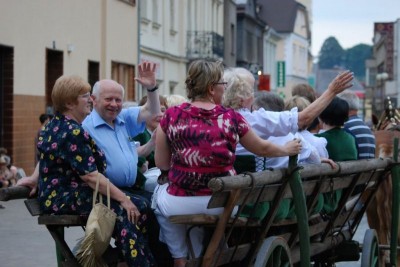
203, 144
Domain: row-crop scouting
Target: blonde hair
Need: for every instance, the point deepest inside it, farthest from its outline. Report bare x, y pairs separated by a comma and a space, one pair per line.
174, 100
66, 90
236, 91
245, 75
201, 75
304, 90
297, 101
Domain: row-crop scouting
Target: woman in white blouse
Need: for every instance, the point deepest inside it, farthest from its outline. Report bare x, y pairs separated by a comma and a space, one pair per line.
239, 95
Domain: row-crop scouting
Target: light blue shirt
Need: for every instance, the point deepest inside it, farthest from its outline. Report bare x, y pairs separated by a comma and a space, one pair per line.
121, 155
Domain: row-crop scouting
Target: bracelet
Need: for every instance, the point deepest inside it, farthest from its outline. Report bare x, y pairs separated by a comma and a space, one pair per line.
152, 90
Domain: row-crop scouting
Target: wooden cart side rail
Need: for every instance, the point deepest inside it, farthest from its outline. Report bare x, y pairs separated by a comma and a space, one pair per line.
219, 198
311, 170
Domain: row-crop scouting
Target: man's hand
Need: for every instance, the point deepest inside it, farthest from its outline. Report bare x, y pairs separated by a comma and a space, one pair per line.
147, 75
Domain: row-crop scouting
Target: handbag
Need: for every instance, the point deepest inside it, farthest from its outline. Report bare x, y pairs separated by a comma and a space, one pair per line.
99, 228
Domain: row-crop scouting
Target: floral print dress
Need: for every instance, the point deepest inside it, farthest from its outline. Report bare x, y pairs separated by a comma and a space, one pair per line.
67, 152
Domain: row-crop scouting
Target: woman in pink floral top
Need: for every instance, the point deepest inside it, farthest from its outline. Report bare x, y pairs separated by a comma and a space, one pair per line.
196, 141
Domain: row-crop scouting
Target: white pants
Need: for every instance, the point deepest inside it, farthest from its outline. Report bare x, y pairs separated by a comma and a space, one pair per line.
174, 235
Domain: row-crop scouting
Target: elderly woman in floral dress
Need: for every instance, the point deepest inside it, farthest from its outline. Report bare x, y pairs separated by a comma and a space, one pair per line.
71, 162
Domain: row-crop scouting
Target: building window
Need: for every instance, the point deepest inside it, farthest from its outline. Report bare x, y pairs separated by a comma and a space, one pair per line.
233, 39
124, 74
155, 11
130, 2
143, 12
54, 69
156, 18
172, 16
93, 72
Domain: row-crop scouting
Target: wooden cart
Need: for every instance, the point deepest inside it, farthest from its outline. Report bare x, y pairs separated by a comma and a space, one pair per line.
307, 240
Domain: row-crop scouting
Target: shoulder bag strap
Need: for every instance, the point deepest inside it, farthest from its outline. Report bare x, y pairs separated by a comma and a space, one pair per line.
108, 193
95, 192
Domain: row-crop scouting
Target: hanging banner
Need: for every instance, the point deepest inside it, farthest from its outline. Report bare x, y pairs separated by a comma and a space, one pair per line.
281, 78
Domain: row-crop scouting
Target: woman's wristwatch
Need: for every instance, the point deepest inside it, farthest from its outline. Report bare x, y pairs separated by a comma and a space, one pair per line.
153, 89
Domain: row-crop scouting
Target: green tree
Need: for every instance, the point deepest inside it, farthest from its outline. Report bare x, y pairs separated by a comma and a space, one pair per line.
331, 54
355, 59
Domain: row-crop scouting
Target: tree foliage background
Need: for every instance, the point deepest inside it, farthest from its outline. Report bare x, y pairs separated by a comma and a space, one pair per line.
332, 55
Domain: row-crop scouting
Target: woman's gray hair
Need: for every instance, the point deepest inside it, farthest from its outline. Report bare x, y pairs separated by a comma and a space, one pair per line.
236, 91
269, 101
351, 98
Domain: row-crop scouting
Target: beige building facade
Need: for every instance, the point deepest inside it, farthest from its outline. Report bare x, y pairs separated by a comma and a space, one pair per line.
293, 49
43, 39
170, 34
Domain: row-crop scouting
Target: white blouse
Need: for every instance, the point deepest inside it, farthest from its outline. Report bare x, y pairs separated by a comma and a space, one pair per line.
318, 142
308, 154
268, 123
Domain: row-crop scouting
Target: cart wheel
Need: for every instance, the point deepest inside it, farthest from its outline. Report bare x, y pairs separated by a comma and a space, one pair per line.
274, 252
370, 250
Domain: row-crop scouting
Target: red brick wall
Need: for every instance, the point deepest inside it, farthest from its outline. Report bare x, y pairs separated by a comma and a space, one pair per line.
27, 110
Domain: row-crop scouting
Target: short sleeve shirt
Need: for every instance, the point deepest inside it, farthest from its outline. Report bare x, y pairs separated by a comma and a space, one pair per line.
203, 144
66, 152
117, 144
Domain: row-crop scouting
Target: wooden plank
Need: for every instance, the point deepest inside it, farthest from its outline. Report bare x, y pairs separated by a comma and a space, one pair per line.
310, 170
33, 207
69, 257
219, 199
14, 192
63, 220
225, 257
244, 181
319, 247
209, 255
345, 167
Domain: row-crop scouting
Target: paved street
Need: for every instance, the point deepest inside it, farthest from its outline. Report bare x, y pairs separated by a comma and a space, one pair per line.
25, 243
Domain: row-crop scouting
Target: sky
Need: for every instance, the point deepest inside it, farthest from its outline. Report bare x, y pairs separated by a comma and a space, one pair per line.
351, 22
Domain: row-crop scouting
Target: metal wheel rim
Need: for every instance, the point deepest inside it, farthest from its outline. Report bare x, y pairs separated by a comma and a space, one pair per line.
274, 252
370, 250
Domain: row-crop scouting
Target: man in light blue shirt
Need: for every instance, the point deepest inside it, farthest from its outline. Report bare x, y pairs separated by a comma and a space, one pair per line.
115, 141
113, 128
